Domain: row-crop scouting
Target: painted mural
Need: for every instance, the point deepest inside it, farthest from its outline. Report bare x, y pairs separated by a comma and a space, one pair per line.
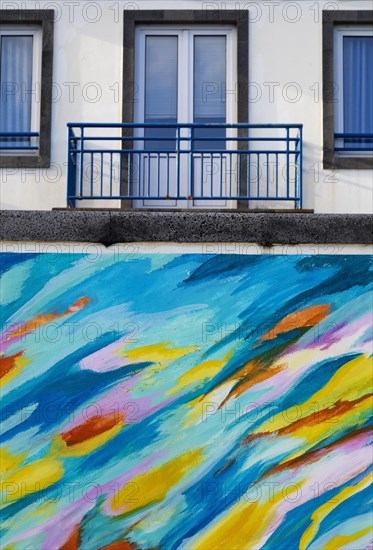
185, 401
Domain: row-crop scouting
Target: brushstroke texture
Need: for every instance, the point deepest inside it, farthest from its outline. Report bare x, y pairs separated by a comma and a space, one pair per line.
185, 402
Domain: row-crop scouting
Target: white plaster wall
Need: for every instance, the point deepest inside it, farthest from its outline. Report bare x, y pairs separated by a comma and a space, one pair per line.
285, 72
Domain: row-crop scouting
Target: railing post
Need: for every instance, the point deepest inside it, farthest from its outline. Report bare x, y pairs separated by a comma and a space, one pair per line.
81, 176
71, 168
191, 164
178, 161
301, 167
287, 163
242, 160
126, 170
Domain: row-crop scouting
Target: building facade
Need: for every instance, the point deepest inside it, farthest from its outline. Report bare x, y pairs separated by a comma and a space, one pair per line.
220, 105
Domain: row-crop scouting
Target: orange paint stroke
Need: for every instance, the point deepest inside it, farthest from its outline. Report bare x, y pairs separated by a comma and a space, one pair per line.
307, 317
256, 370
8, 363
90, 428
260, 372
44, 318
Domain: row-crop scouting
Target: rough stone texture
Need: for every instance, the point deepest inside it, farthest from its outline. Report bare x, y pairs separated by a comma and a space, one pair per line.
110, 227
18, 225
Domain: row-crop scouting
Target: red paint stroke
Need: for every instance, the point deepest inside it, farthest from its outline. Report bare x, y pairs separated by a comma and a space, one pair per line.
8, 363
119, 545
92, 427
313, 456
73, 542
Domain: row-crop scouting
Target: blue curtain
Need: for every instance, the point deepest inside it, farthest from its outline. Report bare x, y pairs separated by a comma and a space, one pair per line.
358, 87
16, 82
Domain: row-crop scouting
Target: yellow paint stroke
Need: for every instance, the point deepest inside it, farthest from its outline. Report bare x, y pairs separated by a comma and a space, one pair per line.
9, 461
31, 478
351, 381
200, 373
161, 355
46, 510
323, 511
153, 486
60, 448
243, 525
340, 541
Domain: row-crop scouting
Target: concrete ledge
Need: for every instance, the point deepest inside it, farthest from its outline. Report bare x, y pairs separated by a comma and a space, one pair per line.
110, 227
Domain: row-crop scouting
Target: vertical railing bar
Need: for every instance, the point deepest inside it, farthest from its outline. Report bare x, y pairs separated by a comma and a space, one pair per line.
221, 174
248, 188
239, 172
141, 182
211, 176
129, 178
300, 202
148, 176
81, 161
257, 174
91, 173
190, 162
230, 175
158, 175
71, 168
178, 161
277, 175
120, 173
287, 163
102, 174
168, 175
267, 182
111, 174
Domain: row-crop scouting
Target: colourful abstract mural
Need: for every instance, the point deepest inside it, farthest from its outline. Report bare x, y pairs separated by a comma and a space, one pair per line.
186, 401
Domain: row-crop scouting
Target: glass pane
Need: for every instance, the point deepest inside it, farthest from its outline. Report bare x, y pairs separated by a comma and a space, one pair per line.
161, 90
358, 89
210, 89
16, 83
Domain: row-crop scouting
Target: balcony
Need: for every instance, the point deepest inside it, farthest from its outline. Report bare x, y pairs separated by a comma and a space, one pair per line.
200, 165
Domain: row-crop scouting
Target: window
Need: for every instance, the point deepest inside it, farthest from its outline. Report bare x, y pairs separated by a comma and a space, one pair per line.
26, 51
183, 74
20, 75
348, 89
182, 67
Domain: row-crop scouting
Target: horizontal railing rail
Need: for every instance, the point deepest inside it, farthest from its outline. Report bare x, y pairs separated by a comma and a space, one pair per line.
347, 141
170, 164
19, 141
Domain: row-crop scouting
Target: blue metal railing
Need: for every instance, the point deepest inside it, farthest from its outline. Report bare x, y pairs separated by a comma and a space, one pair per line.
172, 164
19, 141
347, 142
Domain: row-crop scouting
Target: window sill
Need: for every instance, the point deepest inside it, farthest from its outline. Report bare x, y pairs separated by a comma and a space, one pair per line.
333, 162
24, 161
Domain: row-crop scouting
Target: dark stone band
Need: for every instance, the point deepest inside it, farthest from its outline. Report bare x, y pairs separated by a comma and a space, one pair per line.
110, 227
